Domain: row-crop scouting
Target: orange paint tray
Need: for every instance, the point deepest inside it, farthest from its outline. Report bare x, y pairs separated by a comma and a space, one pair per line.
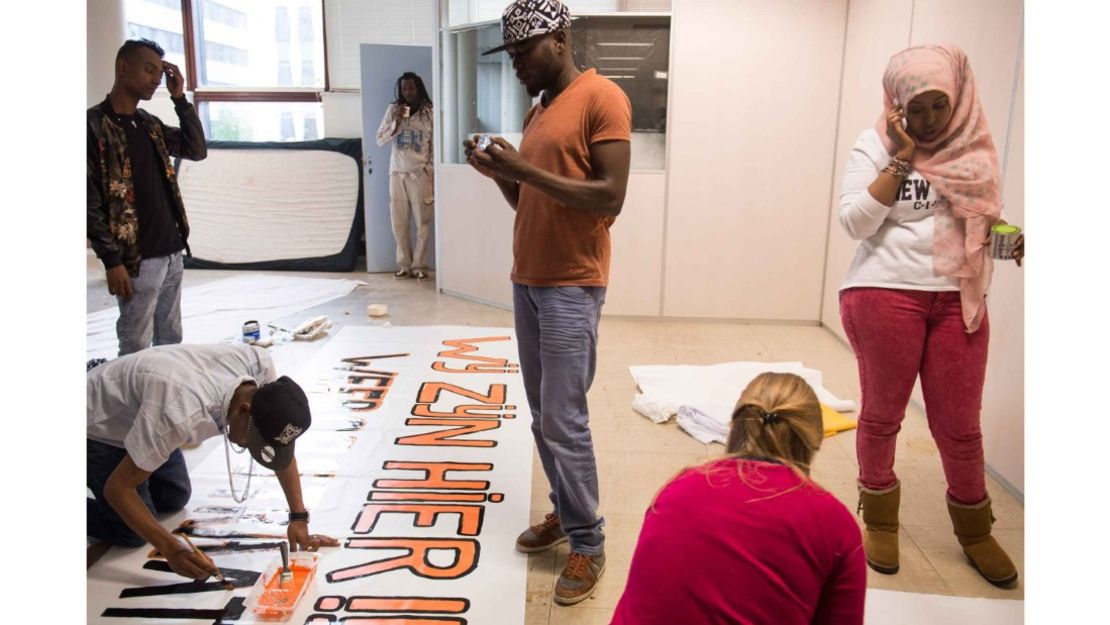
272, 600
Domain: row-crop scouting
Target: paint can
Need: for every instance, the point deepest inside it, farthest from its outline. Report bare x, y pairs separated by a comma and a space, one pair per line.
377, 310
251, 332
1003, 239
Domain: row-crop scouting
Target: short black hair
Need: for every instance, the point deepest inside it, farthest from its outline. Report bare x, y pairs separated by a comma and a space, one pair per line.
129, 47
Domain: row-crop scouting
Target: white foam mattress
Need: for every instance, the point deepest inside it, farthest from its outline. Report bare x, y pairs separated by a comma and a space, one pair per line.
248, 206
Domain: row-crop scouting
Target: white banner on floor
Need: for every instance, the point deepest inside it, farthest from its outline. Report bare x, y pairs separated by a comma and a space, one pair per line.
214, 312
888, 607
418, 460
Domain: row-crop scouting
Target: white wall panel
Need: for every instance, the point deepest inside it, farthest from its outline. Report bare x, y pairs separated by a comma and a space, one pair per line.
342, 114
876, 30
475, 231
752, 127
635, 270
988, 31
1004, 396
477, 238
105, 31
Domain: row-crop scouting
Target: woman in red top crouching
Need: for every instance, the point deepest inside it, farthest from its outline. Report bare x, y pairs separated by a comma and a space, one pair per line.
750, 538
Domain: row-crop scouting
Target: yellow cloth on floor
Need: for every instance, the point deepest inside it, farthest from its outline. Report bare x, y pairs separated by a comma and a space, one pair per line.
834, 421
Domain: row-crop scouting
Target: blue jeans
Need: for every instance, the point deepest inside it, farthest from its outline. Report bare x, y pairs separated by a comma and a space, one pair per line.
556, 331
154, 311
167, 490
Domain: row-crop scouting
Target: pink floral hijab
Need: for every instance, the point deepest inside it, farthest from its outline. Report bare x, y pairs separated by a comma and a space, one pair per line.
961, 164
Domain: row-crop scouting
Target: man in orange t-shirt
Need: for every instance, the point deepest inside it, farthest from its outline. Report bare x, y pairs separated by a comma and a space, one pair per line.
567, 185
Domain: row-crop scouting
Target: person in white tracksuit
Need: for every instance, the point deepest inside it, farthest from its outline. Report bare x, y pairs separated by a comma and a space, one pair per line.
408, 125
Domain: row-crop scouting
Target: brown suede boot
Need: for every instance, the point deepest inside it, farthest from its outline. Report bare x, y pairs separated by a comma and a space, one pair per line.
880, 535
972, 525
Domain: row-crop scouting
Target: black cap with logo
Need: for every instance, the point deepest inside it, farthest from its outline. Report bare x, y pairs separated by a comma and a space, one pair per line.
279, 414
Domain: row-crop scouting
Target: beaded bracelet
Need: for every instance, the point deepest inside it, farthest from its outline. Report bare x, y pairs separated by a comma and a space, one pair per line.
897, 167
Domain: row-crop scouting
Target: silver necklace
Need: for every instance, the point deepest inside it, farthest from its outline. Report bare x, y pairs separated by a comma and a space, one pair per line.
227, 455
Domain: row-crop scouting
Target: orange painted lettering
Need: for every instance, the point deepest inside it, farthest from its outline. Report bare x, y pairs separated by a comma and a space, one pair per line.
446, 438
435, 475
470, 517
417, 496
408, 604
430, 391
415, 558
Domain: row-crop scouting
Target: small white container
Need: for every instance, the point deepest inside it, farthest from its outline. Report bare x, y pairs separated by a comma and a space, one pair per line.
251, 332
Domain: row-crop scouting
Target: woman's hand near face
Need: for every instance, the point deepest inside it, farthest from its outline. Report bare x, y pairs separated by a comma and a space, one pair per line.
903, 143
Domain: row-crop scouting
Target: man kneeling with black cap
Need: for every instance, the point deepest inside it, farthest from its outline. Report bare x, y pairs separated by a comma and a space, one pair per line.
144, 406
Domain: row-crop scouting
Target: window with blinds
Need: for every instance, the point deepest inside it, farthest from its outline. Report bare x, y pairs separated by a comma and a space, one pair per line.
460, 12
350, 23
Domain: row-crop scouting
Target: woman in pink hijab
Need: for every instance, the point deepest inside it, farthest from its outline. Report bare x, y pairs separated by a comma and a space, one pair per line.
920, 193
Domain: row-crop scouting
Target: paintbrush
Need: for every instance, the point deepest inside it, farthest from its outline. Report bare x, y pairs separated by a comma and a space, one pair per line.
219, 575
286, 574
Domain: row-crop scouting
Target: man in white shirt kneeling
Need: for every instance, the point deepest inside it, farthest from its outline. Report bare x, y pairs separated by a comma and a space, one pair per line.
144, 406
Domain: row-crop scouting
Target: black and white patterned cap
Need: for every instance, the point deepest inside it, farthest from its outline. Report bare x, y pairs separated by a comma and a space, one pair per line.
524, 19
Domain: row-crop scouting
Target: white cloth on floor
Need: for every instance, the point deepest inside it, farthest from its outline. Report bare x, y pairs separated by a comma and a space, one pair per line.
703, 397
701, 426
215, 312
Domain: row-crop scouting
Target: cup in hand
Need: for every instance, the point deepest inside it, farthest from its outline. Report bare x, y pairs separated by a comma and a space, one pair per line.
1003, 239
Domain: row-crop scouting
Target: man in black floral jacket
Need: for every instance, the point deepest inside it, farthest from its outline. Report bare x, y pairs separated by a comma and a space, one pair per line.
135, 218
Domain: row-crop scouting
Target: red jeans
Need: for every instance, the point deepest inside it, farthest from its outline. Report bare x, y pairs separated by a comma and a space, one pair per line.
897, 335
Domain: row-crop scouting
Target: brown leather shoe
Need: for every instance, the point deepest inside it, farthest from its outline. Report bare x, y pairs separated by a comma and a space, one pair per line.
579, 578
972, 526
542, 536
880, 532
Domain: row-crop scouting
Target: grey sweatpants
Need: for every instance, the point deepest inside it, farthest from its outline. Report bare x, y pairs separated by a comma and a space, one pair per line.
410, 197
556, 330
